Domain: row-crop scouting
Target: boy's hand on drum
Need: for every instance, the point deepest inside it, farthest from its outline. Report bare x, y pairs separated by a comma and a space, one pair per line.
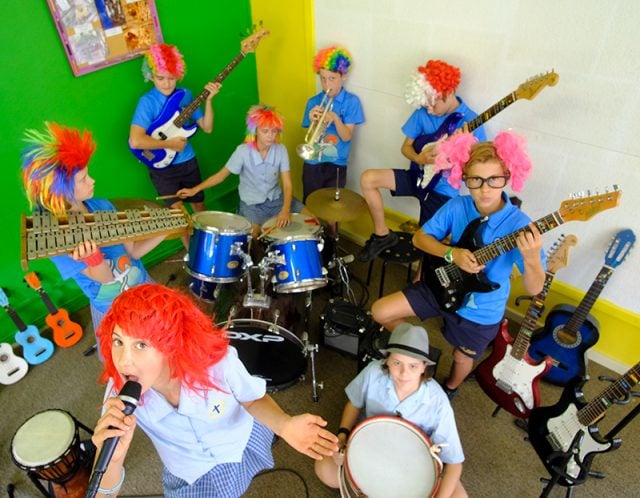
185, 193
114, 423
284, 218
305, 434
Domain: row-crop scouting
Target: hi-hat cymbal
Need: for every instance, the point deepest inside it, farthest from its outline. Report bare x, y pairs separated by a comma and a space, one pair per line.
336, 204
124, 203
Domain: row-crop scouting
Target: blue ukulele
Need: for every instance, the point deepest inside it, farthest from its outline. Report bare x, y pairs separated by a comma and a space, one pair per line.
35, 348
569, 331
424, 178
172, 119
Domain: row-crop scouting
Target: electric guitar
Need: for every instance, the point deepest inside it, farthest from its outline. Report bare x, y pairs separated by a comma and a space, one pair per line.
509, 376
65, 331
450, 283
35, 348
569, 331
565, 432
171, 121
12, 367
423, 175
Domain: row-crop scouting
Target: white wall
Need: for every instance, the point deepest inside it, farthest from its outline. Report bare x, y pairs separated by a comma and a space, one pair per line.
583, 134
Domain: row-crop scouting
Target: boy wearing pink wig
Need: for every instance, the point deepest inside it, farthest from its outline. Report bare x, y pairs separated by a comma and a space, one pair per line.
432, 92
485, 168
164, 65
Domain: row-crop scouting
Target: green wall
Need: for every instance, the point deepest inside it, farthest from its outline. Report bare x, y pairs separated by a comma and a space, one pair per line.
38, 85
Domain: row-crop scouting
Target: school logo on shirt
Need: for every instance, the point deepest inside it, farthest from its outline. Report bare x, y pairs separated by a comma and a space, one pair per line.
217, 409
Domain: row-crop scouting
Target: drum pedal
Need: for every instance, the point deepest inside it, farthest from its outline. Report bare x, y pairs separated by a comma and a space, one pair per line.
257, 301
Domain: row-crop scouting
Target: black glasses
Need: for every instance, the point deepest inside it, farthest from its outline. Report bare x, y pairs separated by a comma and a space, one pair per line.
474, 182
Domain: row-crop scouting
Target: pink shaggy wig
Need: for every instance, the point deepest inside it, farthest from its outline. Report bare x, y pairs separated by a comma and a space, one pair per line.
262, 116
170, 322
163, 59
49, 165
336, 59
462, 150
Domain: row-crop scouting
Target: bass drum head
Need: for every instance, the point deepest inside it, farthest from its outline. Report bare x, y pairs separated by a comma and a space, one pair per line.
268, 351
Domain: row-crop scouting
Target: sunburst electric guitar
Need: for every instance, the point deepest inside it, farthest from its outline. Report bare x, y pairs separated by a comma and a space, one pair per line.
569, 331
66, 332
564, 435
172, 119
509, 376
450, 284
423, 176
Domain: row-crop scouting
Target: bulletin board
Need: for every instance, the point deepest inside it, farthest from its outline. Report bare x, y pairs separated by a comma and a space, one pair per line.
99, 33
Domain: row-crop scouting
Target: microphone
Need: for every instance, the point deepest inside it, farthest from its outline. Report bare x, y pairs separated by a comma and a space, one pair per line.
349, 258
130, 394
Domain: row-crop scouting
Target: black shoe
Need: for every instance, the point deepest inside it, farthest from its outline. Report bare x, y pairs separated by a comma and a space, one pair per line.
451, 393
376, 244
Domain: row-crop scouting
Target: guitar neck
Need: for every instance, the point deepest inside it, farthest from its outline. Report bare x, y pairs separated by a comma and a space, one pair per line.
530, 321
16, 319
47, 302
499, 106
508, 242
616, 391
197, 102
582, 311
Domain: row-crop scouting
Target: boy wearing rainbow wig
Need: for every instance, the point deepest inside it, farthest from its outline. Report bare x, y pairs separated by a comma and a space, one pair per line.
330, 169
485, 168
164, 65
56, 179
432, 92
261, 162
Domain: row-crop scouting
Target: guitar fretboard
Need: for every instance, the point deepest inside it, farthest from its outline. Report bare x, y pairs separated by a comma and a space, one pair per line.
616, 391
197, 102
582, 311
529, 323
492, 111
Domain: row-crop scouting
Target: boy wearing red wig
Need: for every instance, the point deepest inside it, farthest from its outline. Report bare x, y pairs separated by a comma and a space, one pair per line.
432, 92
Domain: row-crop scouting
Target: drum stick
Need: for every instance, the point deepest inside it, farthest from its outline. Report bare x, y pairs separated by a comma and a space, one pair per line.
266, 232
162, 197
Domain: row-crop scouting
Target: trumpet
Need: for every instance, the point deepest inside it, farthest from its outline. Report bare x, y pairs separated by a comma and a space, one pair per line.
313, 146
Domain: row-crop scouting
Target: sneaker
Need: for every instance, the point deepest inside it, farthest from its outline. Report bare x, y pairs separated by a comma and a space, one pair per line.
376, 244
451, 393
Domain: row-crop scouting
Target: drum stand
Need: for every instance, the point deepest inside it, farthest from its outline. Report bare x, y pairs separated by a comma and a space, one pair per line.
311, 350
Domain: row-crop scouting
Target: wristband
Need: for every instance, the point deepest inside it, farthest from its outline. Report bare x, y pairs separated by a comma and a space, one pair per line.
115, 488
345, 431
448, 256
94, 259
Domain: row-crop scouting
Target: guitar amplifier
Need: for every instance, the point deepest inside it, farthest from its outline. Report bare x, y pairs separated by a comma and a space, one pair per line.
343, 325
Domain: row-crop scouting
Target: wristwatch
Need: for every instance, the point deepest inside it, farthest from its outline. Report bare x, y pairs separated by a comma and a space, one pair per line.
448, 256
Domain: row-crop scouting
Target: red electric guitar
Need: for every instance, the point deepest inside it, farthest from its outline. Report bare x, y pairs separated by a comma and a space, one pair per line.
66, 332
509, 376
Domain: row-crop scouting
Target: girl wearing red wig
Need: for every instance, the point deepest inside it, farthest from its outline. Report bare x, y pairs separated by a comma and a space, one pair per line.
211, 422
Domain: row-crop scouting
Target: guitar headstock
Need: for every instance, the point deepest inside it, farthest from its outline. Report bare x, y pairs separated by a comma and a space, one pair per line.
33, 281
584, 208
558, 255
619, 247
250, 43
4, 300
533, 86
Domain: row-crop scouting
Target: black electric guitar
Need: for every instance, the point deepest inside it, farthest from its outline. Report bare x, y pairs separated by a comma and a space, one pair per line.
569, 331
450, 283
423, 175
567, 427
172, 119
509, 376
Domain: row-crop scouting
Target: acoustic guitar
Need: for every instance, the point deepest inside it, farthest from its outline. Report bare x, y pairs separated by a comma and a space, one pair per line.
509, 376
35, 348
172, 119
66, 332
451, 284
12, 367
569, 331
423, 176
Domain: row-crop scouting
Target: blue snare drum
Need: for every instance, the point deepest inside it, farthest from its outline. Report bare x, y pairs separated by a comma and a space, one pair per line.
299, 245
212, 254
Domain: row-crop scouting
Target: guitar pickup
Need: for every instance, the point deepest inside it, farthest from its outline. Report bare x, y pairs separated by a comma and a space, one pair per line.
504, 386
443, 277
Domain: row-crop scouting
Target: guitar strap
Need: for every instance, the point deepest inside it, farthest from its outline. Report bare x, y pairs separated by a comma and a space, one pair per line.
478, 239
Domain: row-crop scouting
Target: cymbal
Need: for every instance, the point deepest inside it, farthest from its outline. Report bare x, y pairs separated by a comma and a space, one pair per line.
336, 204
124, 203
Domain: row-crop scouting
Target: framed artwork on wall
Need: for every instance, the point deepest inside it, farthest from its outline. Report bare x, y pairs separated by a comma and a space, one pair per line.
99, 33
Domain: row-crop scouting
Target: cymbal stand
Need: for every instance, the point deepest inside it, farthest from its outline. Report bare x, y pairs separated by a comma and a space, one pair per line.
311, 350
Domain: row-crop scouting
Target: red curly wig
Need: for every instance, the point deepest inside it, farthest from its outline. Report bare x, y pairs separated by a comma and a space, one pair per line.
170, 322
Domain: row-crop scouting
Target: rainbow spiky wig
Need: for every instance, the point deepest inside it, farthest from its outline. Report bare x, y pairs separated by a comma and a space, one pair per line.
163, 59
50, 162
433, 80
262, 116
334, 58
